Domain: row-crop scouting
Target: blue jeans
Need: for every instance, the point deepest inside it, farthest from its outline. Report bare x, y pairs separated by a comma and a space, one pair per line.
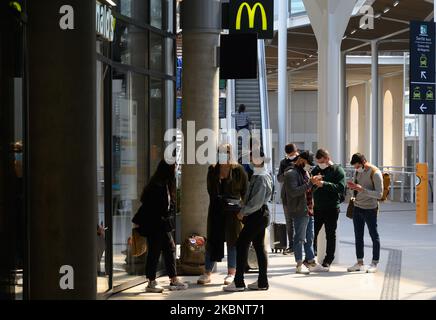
368, 216
231, 259
303, 238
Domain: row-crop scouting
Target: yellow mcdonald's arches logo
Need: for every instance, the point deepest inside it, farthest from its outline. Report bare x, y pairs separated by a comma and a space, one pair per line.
251, 15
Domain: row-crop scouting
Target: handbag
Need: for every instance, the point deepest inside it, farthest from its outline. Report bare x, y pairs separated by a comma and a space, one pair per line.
231, 205
350, 208
138, 243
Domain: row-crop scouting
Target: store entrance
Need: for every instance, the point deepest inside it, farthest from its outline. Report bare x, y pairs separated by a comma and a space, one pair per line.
12, 110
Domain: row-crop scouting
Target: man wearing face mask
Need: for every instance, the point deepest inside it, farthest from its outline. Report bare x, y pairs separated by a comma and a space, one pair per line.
298, 190
327, 198
286, 164
368, 188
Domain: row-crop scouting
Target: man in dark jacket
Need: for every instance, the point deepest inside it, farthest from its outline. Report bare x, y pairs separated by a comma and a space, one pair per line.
328, 195
286, 164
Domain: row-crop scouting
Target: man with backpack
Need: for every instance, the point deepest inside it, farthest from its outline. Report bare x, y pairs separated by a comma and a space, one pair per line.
368, 187
328, 194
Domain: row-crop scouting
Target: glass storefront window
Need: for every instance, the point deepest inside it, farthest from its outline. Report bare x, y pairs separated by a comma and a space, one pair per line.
130, 45
156, 13
135, 9
129, 118
156, 52
157, 119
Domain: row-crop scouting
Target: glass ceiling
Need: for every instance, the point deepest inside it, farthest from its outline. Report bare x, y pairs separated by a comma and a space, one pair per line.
297, 6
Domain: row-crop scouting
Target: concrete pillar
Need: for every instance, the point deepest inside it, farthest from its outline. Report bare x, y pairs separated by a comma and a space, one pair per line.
374, 125
343, 112
329, 19
62, 197
282, 74
201, 23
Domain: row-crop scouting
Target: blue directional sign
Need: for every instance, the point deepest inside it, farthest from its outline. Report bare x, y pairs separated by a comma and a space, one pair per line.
422, 67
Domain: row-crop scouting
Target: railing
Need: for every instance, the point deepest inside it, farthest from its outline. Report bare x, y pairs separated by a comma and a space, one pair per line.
403, 183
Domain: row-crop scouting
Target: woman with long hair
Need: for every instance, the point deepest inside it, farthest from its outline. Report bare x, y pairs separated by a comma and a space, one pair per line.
226, 180
154, 221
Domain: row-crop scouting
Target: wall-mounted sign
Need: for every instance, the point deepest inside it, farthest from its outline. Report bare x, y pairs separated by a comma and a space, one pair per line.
105, 22
422, 67
252, 16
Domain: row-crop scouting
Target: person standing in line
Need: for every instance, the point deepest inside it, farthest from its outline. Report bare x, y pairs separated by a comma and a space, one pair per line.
286, 164
298, 190
154, 222
368, 188
328, 195
225, 180
255, 217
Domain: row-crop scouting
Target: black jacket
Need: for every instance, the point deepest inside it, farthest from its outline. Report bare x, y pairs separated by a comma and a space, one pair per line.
154, 209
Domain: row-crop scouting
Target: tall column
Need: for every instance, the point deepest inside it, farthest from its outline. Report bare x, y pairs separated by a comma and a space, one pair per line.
201, 24
373, 132
62, 150
434, 147
343, 113
422, 124
329, 19
283, 74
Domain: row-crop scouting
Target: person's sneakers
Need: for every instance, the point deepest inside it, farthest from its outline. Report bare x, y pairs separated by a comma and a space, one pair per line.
302, 269
357, 268
372, 268
288, 251
178, 285
233, 288
154, 287
229, 279
315, 267
255, 286
204, 279
326, 266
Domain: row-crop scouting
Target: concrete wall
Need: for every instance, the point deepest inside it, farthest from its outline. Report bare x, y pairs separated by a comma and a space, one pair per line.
393, 144
302, 120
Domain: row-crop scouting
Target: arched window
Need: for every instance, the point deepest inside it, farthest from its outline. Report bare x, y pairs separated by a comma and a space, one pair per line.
354, 126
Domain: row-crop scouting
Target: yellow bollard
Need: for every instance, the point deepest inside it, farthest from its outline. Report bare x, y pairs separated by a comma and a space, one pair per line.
422, 193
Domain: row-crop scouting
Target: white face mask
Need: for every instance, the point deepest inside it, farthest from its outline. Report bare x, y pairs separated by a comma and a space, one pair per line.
360, 170
292, 158
307, 167
323, 166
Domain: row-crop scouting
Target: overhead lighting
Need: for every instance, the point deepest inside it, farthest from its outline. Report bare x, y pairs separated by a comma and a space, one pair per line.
396, 3
344, 37
305, 60
354, 31
311, 56
387, 9
377, 15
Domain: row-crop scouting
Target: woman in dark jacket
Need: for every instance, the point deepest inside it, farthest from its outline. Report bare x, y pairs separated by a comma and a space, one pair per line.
227, 179
154, 221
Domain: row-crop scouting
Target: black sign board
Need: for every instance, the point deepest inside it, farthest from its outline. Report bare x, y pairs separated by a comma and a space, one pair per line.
422, 67
252, 16
238, 56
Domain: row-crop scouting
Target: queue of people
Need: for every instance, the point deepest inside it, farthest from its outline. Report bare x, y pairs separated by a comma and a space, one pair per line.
311, 194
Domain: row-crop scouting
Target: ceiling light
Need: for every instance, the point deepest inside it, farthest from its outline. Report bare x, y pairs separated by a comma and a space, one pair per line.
344, 37
305, 60
354, 31
111, 2
311, 56
387, 9
396, 3
377, 15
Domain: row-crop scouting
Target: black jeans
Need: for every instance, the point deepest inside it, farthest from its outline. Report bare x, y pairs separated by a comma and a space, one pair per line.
157, 243
253, 231
289, 227
328, 218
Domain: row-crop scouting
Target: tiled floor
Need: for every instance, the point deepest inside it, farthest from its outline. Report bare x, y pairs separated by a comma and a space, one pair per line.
406, 271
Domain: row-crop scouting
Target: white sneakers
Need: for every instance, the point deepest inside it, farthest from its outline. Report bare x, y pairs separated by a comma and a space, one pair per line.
178, 285
204, 279
372, 268
302, 269
255, 286
229, 279
318, 268
154, 287
233, 288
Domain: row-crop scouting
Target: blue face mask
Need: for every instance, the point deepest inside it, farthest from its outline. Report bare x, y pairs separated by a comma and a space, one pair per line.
251, 166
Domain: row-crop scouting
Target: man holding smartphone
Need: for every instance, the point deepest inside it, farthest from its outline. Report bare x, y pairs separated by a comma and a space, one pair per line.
327, 199
368, 186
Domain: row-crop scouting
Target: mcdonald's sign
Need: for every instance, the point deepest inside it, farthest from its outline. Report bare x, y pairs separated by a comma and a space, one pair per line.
252, 16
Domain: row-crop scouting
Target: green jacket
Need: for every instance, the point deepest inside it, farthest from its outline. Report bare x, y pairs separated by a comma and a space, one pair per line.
328, 196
